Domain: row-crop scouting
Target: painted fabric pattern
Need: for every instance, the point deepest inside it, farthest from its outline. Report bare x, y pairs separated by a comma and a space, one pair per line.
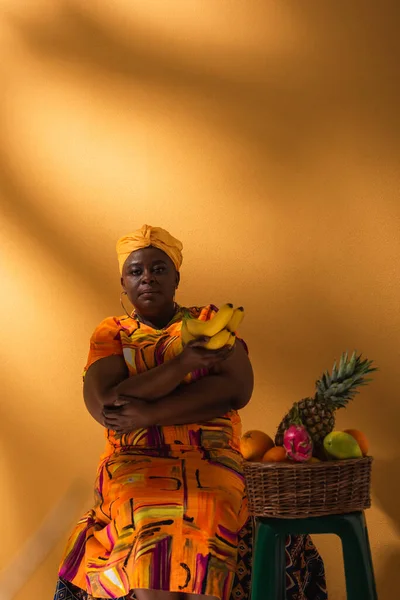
305, 574
169, 501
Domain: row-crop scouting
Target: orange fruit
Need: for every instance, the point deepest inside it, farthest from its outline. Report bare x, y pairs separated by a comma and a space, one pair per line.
254, 444
360, 438
276, 454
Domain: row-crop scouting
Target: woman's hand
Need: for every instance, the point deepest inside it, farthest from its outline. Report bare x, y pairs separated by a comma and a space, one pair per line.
196, 356
126, 416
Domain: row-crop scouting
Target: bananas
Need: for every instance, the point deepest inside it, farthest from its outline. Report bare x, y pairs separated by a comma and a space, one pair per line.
214, 325
220, 339
220, 329
236, 319
186, 336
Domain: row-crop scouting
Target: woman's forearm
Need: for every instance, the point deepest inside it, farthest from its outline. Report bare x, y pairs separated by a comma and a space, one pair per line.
155, 383
208, 398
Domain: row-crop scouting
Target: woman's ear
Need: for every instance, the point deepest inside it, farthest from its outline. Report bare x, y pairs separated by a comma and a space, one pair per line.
178, 278
122, 284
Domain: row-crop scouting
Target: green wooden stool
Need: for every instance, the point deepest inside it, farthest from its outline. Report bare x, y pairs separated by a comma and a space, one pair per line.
269, 563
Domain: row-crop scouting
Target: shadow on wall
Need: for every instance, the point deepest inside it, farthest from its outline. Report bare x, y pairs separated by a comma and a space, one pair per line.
386, 490
387, 582
386, 487
285, 86
53, 527
67, 250
293, 86
336, 86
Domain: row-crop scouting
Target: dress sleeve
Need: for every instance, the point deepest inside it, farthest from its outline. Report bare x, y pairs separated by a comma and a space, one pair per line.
105, 341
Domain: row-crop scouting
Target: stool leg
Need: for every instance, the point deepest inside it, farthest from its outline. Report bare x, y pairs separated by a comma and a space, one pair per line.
269, 565
369, 558
280, 566
360, 584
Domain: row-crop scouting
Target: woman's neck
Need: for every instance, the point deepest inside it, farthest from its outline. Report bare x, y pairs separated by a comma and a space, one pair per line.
160, 320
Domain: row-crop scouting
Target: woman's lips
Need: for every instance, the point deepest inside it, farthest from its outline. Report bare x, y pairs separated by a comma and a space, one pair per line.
149, 293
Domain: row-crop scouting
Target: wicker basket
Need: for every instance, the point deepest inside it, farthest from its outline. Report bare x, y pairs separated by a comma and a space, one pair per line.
295, 490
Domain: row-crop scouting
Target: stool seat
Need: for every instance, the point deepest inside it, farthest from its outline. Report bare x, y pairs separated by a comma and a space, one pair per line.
269, 568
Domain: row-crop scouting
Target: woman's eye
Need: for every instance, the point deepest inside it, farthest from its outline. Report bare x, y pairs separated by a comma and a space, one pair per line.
134, 272
159, 269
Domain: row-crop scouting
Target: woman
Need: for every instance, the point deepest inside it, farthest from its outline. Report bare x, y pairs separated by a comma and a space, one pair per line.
170, 496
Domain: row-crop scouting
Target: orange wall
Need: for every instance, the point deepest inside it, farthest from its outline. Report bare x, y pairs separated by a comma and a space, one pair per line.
262, 134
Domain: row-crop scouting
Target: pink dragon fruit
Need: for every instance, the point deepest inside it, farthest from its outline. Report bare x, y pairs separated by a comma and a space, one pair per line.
297, 441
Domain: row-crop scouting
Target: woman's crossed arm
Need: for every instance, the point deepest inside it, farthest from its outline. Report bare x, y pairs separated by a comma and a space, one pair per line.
156, 397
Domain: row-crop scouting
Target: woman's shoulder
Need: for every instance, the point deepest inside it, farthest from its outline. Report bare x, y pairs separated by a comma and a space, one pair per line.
112, 326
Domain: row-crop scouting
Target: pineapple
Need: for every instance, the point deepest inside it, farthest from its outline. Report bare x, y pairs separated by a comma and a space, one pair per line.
333, 391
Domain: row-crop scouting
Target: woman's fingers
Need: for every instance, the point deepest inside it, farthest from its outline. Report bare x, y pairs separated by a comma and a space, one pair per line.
116, 419
111, 418
221, 353
199, 342
119, 427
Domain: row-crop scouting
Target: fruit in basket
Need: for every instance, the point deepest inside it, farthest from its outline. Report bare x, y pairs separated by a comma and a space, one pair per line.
296, 439
297, 443
360, 438
275, 454
341, 445
333, 391
254, 444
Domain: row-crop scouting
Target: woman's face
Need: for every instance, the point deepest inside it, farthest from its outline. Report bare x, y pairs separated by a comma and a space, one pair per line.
150, 279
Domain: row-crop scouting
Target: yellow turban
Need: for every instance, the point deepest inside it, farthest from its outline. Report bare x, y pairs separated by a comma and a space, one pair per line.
149, 236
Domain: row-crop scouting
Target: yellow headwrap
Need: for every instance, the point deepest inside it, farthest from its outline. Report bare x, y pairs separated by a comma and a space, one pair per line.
150, 236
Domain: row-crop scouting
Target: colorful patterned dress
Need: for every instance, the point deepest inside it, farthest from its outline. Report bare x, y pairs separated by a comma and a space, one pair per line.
170, 510
170, 501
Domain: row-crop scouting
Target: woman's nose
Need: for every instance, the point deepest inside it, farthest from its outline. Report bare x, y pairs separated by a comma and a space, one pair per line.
147, 276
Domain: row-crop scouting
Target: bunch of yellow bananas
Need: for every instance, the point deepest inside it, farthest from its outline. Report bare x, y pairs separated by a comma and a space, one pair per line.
220, 329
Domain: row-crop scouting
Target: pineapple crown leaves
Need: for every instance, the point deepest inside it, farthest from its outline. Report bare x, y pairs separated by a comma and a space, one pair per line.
340, 386
294, 415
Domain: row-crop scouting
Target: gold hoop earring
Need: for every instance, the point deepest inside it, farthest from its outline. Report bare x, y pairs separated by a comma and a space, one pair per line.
123, 306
